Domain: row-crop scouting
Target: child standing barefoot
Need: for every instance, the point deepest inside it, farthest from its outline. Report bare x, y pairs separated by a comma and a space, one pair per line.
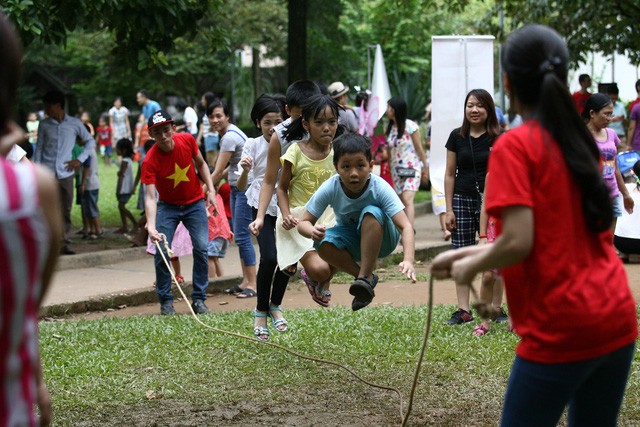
125, 188
305, 166
370, 219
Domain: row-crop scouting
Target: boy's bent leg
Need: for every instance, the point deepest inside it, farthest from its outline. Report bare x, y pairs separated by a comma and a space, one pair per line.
370, 244
341, 259
195, 221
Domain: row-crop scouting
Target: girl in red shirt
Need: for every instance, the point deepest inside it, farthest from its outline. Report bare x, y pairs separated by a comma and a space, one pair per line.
567, 290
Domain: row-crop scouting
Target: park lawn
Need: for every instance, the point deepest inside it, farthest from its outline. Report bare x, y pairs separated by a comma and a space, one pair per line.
170, 371
107, 202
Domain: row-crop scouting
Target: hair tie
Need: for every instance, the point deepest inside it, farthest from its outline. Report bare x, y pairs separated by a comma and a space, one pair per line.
549, 65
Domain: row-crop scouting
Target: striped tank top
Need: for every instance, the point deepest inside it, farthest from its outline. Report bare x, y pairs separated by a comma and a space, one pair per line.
24, 245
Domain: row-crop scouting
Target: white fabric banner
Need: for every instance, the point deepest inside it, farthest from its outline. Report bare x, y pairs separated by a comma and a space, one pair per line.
459, 64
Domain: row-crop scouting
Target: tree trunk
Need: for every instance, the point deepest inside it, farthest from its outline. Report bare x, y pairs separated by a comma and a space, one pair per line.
297, 40
255, 68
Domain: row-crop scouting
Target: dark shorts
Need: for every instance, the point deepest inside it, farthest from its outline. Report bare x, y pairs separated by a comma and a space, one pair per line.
124, 198
90, 203
108, 150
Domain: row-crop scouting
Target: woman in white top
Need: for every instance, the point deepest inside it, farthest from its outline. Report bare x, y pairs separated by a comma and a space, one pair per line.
119, 121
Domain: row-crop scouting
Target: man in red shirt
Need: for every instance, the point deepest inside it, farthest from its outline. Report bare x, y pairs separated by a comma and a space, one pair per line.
635, 101
168, 168
580, 97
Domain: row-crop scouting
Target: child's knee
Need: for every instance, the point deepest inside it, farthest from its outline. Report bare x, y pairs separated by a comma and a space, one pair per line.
370, 224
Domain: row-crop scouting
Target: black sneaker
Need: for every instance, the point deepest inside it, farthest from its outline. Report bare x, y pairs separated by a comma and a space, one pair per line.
459, 317
166, 308
199, 307
501, 317
363, 292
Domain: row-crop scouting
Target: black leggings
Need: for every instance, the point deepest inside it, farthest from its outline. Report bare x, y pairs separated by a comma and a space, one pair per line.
269, 264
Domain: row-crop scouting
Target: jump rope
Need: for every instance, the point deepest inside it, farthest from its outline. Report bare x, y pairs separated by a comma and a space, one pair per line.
484, 310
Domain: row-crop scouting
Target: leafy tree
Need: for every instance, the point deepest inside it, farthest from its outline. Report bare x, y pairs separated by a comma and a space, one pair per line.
144, 30
607, 27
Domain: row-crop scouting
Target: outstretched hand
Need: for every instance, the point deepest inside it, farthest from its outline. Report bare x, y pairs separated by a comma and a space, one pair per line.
408, 270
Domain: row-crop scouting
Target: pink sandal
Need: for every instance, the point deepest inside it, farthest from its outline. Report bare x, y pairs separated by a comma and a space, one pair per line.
480, 330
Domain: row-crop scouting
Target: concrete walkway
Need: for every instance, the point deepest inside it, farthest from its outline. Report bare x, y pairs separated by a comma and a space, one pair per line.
108, 279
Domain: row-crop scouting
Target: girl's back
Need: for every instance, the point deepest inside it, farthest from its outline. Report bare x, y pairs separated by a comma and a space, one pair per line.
569, 268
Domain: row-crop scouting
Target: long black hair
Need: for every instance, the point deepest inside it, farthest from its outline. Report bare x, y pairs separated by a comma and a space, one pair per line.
311, 109
399, 106
485, 99
535, 60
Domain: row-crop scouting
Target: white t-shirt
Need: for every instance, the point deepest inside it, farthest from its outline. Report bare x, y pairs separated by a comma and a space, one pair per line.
190, 116
127, 179
257, 148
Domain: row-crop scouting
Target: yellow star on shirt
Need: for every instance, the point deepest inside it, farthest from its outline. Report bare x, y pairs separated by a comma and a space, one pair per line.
179, 175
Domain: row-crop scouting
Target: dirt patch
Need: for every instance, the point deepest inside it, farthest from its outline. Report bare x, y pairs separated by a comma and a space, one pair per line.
392, 291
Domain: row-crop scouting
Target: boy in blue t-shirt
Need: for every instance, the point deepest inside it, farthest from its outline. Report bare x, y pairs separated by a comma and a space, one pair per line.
370, 219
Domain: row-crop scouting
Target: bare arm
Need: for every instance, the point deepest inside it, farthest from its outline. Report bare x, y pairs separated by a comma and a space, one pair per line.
631, 132
203, 170
247, 163
150, 209
307, 227
283, 189
268, 183
512, 246
416, 139
406, 267
449, 183
221, 164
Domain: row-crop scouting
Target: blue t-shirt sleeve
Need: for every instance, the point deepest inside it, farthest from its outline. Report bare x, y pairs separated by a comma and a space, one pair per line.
321, 199
389, 200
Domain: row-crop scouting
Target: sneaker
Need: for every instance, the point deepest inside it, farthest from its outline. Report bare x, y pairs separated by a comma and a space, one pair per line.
166, 308
199, 307
501, 317
362, 300
459, 317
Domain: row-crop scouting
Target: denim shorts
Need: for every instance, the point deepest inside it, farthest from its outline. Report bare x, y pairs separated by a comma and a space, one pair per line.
124, 198
211, 142
108, 150
217, 247
616, 202
90, 203
348, 236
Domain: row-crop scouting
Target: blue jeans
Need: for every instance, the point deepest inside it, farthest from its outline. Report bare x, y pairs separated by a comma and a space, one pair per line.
194, 218
241, 217
537, 393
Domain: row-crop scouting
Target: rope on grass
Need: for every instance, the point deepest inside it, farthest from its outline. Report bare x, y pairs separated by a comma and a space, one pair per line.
403, 416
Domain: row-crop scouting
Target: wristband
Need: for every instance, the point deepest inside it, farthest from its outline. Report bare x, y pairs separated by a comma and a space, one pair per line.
483, 236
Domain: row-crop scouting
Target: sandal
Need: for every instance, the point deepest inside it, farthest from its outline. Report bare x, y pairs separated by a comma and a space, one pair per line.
480, 330
280, 324
246, 293
260, 332
233, 290
362, 291
291, 270
313, 287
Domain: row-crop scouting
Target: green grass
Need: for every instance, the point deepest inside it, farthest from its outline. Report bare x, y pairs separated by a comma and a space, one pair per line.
107, 202
99, 372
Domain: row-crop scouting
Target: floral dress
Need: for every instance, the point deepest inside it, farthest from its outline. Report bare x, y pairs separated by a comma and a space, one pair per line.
403, 155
